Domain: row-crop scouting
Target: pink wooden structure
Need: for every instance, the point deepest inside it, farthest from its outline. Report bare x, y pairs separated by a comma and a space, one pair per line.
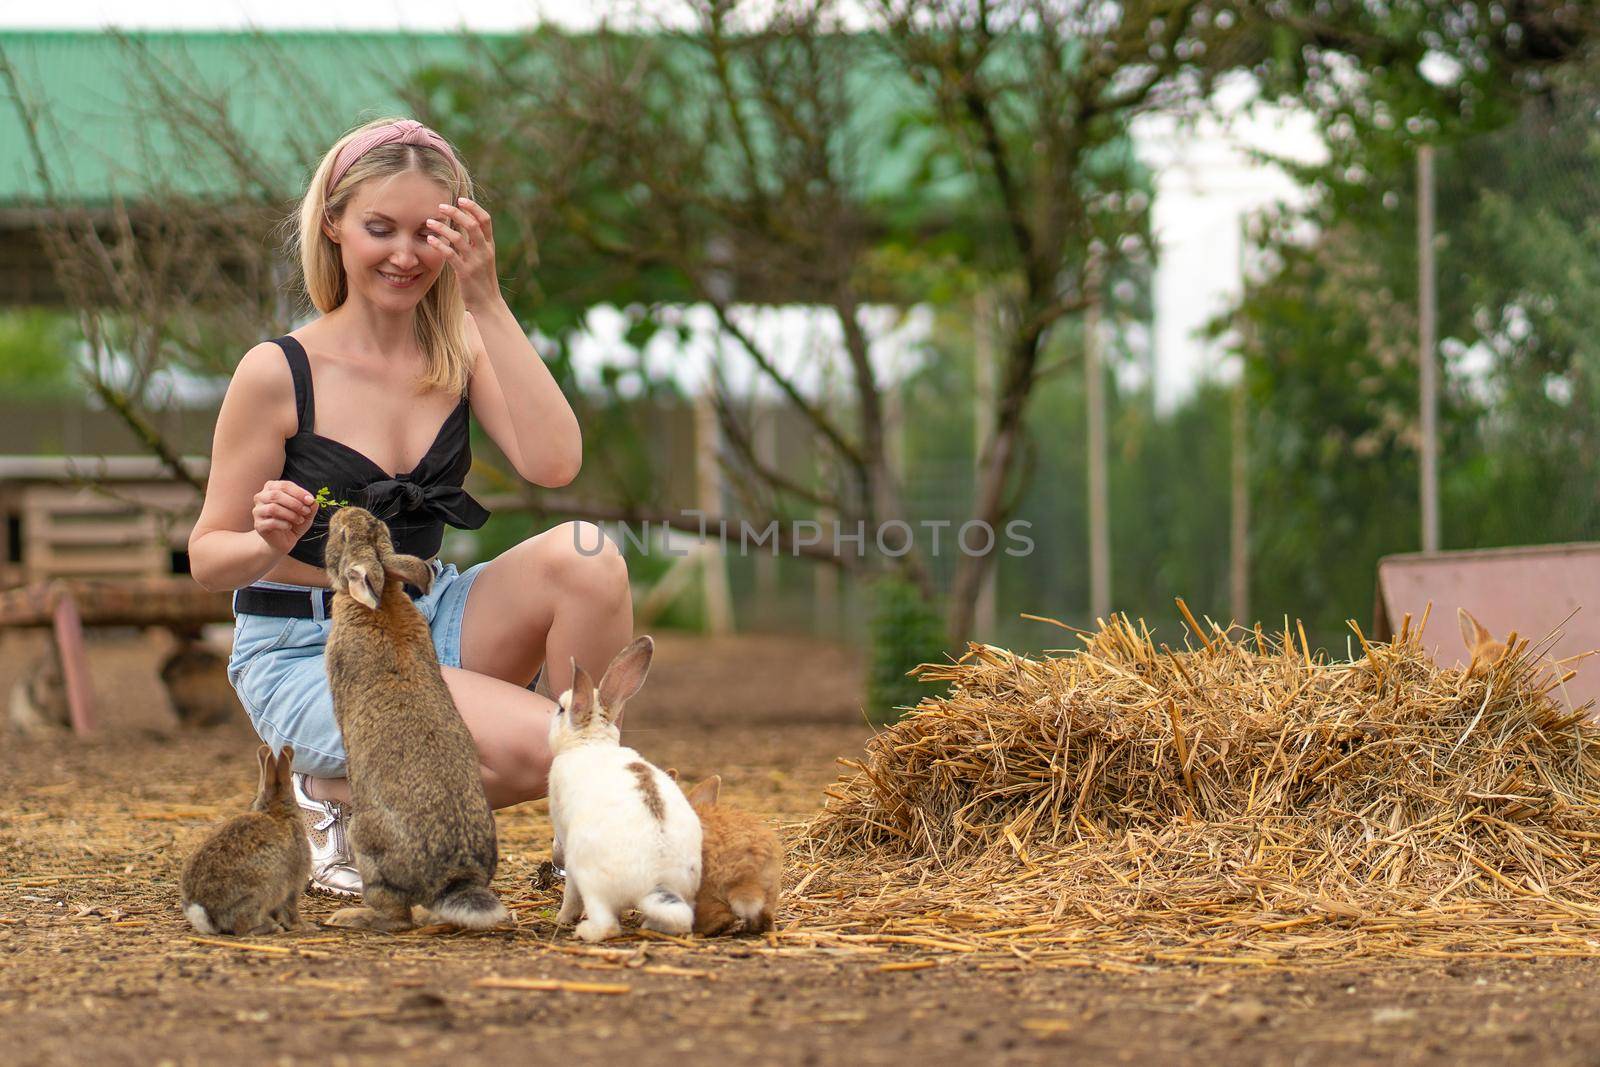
1530, 590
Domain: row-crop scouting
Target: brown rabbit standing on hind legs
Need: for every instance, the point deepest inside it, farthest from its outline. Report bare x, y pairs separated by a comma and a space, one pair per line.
420, 824
247, 876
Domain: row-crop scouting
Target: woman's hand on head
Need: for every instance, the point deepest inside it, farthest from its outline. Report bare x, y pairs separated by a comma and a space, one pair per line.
466, 236
281, 514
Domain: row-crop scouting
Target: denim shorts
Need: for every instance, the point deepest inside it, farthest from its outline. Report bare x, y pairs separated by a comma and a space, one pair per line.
277, 669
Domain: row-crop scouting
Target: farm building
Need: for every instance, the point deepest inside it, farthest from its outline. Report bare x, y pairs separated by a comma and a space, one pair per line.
93, 516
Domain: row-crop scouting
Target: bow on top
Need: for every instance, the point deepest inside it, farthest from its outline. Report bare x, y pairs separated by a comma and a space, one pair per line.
390, 498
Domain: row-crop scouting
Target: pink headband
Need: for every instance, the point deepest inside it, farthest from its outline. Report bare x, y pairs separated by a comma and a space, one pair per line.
405, 131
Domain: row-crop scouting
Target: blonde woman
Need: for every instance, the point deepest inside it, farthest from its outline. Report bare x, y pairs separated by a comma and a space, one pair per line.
371, 401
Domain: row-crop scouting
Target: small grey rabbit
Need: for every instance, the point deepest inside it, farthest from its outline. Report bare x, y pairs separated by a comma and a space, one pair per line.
420, 824
196, 679
246, 878
39, 698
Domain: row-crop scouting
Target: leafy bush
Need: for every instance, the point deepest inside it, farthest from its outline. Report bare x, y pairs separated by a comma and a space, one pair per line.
906, 630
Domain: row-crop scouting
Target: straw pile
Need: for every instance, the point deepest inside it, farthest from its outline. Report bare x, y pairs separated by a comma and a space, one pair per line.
1240, 797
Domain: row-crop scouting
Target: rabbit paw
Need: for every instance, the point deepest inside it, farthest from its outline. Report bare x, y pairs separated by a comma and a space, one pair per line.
571, 906
591, 930
366, 919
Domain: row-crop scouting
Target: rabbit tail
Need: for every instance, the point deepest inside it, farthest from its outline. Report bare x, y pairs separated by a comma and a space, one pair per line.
666, 912
746, 900
471, 906
196, 914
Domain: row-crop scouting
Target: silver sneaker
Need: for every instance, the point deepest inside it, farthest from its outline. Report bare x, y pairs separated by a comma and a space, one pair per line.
328, 829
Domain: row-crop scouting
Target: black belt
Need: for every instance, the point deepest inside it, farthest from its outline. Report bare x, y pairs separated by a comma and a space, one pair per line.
290, 604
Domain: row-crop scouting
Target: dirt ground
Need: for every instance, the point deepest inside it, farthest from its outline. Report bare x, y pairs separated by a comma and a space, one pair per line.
100, 967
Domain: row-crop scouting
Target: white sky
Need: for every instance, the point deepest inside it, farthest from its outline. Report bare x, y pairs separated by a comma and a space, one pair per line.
1206, 184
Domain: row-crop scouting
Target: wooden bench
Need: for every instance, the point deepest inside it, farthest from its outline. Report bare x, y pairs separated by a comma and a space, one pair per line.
66, 606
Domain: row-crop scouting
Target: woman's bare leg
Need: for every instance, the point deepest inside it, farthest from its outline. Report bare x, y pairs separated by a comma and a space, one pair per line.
335, 789
511, 728
558, 596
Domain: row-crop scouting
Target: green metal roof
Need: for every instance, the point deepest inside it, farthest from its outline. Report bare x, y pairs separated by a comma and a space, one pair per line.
291, 94
116, 123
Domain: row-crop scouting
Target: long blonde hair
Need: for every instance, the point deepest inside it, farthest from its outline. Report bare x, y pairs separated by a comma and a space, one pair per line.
441, 325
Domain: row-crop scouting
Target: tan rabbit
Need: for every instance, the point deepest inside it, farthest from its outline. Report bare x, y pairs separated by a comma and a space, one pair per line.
246, 878
420, 824
1485, 648
741, 867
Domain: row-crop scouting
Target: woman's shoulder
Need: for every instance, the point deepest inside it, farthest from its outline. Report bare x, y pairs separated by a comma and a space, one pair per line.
263, 381
263, 365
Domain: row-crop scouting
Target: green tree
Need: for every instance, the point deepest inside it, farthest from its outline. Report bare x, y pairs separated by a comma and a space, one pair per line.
35, 353
770, 156
1330, 330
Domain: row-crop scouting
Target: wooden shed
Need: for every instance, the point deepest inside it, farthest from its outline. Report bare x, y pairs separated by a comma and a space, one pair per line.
94, 517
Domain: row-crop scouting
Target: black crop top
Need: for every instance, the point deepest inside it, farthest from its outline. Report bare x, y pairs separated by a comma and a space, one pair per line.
414, 505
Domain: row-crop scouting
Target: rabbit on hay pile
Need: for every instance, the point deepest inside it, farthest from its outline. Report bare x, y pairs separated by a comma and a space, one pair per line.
421, 829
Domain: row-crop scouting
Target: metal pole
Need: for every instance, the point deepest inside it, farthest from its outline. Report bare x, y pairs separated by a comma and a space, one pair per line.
1099, 503
1239, 526
1427, 318
824, 579
983, 392
1239, 512
708, 493
766, 563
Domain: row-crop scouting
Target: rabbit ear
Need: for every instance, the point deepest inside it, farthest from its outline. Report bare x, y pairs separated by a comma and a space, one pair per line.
625, 675
409, 569
581, 707
284, 767
705, 794
264, 760
1472, 632
363, 584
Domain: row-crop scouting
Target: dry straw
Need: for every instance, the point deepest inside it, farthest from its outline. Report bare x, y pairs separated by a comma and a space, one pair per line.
1242, 801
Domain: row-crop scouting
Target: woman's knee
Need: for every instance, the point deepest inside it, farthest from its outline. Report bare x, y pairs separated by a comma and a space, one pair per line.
518, 769
588, 562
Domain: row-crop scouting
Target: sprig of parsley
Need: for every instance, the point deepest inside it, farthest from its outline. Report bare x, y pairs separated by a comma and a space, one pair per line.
325, 499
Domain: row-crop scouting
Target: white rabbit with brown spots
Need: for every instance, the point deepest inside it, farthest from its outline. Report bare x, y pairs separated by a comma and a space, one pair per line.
627, 834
